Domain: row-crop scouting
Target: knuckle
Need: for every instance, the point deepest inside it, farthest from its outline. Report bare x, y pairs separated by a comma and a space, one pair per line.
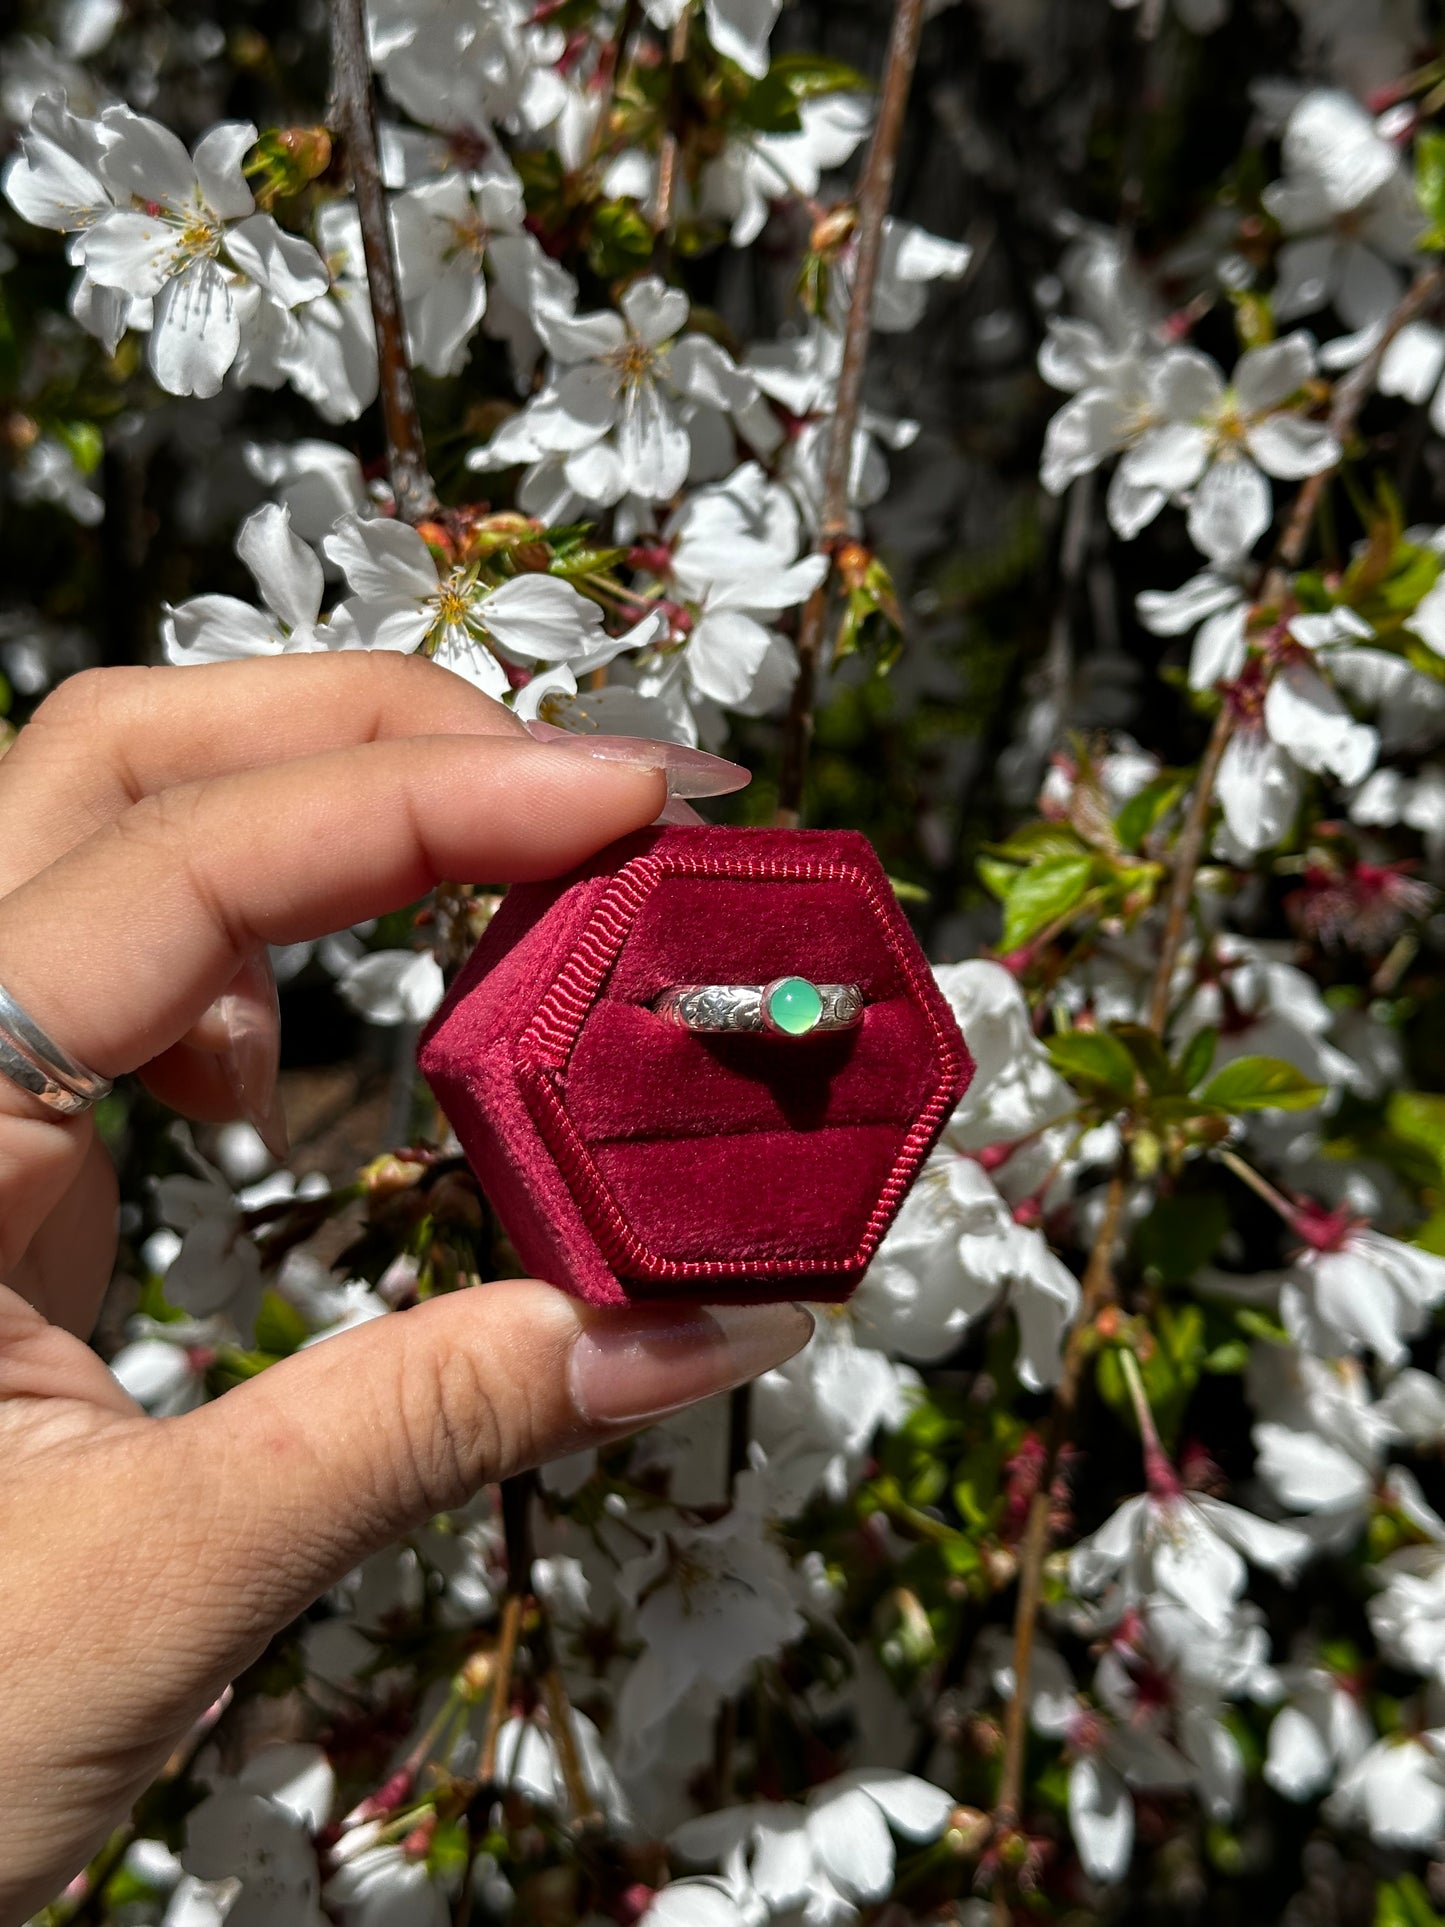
85, 698
173, 823
456, 1435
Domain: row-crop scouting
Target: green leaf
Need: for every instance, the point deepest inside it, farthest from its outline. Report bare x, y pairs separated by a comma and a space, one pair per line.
577, 562
1140, 814
1042, 894
619, 240
808, 75
1419, 1118
1181, 1234
1148, 1053
1093, 1057
85, 442
1198, 1056
997, 878
280, 1328
1036, 840
1405, 1903
1430, 182
772, 105
1260, 1084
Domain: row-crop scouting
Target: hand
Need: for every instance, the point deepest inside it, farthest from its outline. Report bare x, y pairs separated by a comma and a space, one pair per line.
161, 825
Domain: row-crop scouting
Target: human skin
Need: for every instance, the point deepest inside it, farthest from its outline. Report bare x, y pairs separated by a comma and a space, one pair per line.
161, 824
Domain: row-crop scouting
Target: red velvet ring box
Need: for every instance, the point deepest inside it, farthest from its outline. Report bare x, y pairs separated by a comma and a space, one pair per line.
629, 1159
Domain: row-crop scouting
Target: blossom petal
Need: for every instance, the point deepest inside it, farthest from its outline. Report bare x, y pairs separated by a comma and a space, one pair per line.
381, 557
1101, 1818
197, 331
853, 1845
145, 161
1291, 447
1258, 789
655, 312
219, 628
217, 160
1299, 1764
287, 572
541, 618
1268, 376
1230, 511
130, 251
572, 337
1170, 458
915, 1808
288, 268
740, 29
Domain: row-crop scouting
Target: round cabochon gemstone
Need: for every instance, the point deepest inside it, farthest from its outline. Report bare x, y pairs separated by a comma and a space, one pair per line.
794, 1006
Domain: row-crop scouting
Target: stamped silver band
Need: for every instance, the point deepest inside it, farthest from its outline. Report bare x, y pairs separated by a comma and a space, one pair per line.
38, 1064
786, 1007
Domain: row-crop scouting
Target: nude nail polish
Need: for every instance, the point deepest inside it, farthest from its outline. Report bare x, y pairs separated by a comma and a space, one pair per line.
629, 1366
690, 772
249, 1013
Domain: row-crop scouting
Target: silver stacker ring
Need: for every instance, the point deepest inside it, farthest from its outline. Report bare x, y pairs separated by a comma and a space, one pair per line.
786, 1007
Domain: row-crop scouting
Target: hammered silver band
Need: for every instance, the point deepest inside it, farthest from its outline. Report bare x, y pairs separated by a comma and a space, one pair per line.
38, 1064
726, 1009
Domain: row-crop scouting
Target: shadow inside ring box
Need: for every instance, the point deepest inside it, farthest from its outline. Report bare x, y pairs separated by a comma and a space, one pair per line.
799, 1071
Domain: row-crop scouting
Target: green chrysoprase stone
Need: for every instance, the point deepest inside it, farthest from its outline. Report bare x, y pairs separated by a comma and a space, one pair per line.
794, 1006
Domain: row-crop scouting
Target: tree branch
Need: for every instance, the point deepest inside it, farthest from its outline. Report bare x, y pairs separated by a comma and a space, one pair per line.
875, 191
355, 110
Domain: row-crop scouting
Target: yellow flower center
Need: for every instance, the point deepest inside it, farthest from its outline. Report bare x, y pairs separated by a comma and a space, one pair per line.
633, 361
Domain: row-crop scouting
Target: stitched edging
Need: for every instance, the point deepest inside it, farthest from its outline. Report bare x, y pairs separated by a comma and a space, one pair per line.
546, 1044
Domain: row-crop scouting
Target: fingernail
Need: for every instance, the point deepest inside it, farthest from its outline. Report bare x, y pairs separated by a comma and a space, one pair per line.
640, 1364
689, 772
249, 1013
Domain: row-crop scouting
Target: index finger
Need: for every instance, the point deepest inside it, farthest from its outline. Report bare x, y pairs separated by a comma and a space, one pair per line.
108, 737
120, 945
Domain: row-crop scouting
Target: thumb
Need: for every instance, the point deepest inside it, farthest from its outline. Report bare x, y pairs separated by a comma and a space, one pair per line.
302, 1472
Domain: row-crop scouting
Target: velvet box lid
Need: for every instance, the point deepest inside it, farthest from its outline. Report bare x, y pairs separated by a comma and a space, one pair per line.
629, 1159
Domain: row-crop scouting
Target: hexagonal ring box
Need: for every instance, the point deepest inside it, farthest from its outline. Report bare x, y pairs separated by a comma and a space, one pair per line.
629, 1158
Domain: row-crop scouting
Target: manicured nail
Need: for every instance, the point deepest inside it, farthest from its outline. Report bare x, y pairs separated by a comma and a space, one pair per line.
639, 1364
249, 1014
689, 772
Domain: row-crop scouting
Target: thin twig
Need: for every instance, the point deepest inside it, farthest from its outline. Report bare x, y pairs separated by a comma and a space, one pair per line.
569, 1754
672, 140
501, 1684
1097, 1290
875, 191
1350, 397
355, 109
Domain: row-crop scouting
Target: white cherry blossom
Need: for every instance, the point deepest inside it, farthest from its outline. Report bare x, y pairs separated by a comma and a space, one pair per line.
1349, 209
631, 404
754, 170
184, 233
394, 986
1187, 1548
956, 1244
739, 29
446, 230
708, 1602
829, 1856
1218, 441
402, 600
1321, 1732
